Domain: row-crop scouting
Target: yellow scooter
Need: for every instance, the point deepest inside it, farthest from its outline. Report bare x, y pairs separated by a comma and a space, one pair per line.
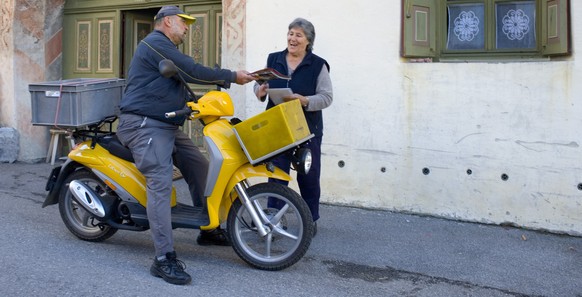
100, 191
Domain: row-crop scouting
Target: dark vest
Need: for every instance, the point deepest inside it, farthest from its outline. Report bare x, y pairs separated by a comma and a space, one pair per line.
303, 81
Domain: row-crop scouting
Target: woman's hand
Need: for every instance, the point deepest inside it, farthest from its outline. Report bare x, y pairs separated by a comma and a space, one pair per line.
302, 99
262, 91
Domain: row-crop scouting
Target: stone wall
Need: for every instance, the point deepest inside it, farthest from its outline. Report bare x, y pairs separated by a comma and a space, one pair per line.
8, 145
31, 37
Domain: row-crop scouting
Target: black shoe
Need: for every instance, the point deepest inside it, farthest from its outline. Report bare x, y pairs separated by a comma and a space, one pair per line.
213, 237
171, 270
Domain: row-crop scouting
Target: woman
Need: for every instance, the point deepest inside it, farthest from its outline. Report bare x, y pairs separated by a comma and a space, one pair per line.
311, 85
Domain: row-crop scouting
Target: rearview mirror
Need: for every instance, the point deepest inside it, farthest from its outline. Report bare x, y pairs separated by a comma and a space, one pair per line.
167, 68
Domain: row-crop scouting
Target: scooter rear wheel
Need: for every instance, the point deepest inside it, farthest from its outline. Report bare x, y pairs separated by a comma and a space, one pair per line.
288, 221
80, 222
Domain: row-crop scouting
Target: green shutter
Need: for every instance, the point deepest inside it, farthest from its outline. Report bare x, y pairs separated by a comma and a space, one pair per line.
418, 28
555, 27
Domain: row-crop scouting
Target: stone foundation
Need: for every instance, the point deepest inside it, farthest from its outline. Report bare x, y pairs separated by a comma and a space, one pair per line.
9, 144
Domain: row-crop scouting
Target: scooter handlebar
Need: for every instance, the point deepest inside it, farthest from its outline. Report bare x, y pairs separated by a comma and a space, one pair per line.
182, 112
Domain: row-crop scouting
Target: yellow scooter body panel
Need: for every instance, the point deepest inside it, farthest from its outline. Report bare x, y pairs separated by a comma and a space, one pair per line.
235, 168
221, 134
212, 106
115, 171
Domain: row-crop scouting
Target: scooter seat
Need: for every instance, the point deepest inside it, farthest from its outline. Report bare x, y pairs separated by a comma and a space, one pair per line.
114, 146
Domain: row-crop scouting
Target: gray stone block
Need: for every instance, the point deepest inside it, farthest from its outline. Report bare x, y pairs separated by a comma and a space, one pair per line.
9, 145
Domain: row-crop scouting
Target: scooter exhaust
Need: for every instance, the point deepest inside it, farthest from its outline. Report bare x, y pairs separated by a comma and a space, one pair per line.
87, 198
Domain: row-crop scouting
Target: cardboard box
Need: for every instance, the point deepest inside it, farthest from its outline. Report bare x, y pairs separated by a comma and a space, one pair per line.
75, 102
273, 131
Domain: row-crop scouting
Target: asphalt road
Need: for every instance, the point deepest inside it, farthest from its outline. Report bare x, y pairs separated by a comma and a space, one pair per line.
356, 252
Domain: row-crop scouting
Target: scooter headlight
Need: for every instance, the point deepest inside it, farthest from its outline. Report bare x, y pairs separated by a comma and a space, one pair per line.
303, 160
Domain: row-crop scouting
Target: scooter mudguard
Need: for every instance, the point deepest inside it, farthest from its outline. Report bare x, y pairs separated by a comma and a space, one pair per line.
218, 212
56, 179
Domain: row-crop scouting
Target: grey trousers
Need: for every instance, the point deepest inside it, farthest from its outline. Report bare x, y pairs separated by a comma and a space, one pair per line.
156, 146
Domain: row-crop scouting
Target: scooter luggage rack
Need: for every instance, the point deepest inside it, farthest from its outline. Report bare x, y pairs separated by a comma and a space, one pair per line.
95, 131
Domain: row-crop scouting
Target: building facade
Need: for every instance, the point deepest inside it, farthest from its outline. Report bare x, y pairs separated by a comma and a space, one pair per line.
459, 109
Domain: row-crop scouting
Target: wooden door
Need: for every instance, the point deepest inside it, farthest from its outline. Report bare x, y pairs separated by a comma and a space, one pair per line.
137, 24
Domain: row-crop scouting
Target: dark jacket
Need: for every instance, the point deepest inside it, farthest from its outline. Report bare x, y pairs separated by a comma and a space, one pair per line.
148, 93
303, 81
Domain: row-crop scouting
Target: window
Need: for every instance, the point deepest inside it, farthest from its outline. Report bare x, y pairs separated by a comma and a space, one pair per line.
478, 29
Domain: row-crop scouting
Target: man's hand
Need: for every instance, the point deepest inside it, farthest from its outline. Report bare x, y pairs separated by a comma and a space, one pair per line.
243, 77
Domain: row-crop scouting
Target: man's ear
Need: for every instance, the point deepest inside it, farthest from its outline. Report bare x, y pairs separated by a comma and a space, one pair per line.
168, 21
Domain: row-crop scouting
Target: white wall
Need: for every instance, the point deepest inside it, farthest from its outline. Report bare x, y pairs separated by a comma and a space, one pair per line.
390, 119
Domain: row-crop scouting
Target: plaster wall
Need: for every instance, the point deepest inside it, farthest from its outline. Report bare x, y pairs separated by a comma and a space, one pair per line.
436, 138
32, 54
234, 48
6, 60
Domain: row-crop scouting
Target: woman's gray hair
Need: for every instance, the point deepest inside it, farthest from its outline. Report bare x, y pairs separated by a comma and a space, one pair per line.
307, 28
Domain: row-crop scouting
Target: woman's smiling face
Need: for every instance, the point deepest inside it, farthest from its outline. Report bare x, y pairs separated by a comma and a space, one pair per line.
296, 41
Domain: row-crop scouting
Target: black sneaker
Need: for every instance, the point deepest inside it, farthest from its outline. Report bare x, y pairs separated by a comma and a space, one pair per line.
213, 237
171, 270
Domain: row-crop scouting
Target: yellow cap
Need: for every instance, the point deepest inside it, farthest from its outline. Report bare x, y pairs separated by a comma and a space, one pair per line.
174, 10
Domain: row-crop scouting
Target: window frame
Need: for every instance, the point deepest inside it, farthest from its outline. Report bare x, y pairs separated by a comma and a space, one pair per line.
435, 49
490, 33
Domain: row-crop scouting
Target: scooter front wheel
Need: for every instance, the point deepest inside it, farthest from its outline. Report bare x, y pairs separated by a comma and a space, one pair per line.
287, 219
